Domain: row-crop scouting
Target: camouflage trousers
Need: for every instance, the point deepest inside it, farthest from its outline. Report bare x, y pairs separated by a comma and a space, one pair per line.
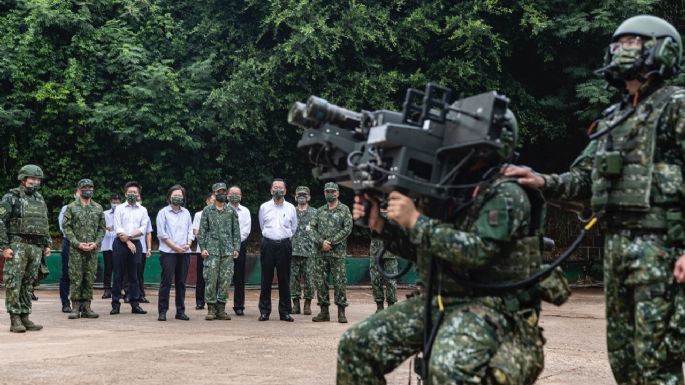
379, 282
19, 273
217, 272
475, 344
336, 266
82, 268
642, 323
301, 268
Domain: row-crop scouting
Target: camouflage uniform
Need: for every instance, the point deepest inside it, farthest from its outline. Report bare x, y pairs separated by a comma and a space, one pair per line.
303, 251
379, 282
24, 229
333, 225
83, 224
642, 204
219, 234
484, 338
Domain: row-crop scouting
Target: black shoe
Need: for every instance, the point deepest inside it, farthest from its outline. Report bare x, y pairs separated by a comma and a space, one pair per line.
161, 316
263, 317
66, 308
143, 300
182, 317
287, 318
33, 297
138, 310
107, 294
239, 311
199, 307
115, 309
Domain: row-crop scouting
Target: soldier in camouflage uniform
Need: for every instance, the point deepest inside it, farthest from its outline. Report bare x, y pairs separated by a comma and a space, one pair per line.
84, 227
24, 239
633, 176
303, 250
331, 226
485, 337
379, 282
219, 240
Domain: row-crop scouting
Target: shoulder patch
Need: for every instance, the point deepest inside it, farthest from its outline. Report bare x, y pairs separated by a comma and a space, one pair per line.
493, 217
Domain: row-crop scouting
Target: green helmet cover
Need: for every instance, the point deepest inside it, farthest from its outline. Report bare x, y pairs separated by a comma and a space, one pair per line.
30, 170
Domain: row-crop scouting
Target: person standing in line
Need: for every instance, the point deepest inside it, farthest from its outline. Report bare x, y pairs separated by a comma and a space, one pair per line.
130, 223
64, 278
278, 222
174, 231
110, 234
219, 237
378, 282
199, 261
303, 250
245, 221
84, 226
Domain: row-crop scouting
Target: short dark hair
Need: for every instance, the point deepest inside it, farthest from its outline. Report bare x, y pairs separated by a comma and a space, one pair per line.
114, 197
278, 180
132, 184
174, 188
209, 195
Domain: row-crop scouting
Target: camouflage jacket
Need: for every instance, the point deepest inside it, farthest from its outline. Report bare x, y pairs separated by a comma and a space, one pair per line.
13, 219
84, 224
668, 118
375, 246
303, 244
219, 232
333, 225
482, 238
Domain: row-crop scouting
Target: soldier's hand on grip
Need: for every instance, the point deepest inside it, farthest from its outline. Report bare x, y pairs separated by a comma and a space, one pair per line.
376, 222
679, 270
8, 253
525, 176
402, 210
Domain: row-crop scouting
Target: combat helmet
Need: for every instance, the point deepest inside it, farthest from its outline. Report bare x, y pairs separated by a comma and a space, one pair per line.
30, 170
660, 54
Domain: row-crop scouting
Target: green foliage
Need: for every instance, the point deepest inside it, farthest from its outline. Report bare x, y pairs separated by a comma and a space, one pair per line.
192, 92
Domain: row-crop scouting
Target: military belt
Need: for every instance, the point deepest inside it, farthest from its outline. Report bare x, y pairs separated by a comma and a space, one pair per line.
23, 238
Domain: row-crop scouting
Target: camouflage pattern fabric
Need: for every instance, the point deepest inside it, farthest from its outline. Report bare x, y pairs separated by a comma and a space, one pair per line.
303, 243
333, 225
382, 288
217, 272
301, 268
483, 339
19, 273
219, 234
83, 224
639, 286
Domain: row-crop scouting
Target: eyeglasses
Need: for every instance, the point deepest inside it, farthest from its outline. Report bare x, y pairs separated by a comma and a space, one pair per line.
625, 42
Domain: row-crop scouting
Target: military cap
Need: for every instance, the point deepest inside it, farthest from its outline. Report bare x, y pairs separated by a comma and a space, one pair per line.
219, 186
85, 182
331, 186
303, 189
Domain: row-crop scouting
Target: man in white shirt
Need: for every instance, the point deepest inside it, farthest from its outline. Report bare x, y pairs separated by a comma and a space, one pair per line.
234, 197
106, 248
278, 222
130, 223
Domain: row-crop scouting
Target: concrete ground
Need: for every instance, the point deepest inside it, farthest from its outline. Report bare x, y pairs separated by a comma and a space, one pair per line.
137, 349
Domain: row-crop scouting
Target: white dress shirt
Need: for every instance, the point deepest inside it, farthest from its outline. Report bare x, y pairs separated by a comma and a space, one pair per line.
109, 234
277, 221
143, 238
196, 226
129, 218
60, 219
175, 226
244, 220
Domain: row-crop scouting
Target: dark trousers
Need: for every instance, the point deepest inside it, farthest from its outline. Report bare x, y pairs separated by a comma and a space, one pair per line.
199, 281
239, 278
275, 254
64, 279
141, 275
107, 273
174, 267
126, 262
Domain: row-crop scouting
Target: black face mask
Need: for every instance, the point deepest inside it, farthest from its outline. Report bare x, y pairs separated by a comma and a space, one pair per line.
87, 194
221, 198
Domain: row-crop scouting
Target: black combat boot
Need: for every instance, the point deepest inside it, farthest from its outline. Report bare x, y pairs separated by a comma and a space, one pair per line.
341, 315
323, 315
296, 306
379, 306
28, 324
307, 307
16, 326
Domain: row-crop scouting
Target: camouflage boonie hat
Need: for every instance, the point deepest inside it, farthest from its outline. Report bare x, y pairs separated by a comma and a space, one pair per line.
85, 182
303, 189
331, 186
219, 186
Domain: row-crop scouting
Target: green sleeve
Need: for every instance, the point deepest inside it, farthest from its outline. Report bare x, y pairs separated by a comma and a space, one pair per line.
236, 232
316, 236
5, 212
67, 225
101, 229
202, 234
346, 229
575, 184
